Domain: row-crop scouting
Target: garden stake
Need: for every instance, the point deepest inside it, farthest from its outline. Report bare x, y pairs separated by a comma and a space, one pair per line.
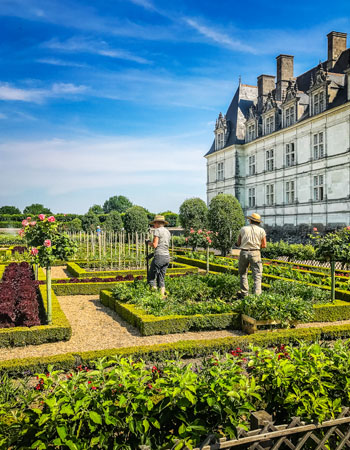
207, 259
333, 280
49, 299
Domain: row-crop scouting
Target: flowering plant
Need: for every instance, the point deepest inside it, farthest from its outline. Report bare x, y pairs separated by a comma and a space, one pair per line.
199, 238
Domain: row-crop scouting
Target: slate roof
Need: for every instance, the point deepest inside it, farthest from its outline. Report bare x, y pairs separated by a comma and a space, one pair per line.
246, 96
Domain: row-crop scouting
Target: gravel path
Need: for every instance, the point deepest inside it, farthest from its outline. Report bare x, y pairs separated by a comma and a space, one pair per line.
95, 327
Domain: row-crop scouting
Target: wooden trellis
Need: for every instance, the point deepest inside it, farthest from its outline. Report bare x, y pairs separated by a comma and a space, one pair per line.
332, 434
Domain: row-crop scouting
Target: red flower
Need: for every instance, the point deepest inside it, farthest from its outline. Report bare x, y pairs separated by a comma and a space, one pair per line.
47, 243
34, 251
93, 388
314, 229
41, 216
51, 219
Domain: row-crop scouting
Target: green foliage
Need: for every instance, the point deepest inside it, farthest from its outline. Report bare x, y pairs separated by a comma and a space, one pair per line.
117, 203
159, 406
9, 210
310, 381
179, 241
35, 209
293, 251
193, 214
334, 246
171, 217
113, 222
72, 226
135, 220
96, 209
199, 238
308, 293
226, 218
209, 294
272, 306
90, 222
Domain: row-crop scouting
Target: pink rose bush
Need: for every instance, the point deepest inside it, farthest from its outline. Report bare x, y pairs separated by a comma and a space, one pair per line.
200, 238
41, 216
51, 219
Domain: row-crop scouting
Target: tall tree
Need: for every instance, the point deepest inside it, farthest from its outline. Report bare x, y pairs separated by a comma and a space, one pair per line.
113, 222
135, 220
36, 209
226, 218
90, 221
193, 214
117, 203
9, 210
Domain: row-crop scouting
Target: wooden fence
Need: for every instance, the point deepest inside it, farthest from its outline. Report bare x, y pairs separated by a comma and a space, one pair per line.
313, 262
264, 435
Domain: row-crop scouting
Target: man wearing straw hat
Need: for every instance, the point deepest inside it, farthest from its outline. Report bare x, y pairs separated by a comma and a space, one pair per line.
161, 260
250, 240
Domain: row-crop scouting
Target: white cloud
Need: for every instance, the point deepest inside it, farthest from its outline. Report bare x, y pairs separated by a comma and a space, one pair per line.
219, 37
10, 93
60, 62
98, 47
59, 166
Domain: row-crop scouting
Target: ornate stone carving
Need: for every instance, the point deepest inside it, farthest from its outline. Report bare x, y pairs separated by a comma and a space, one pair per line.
221, 123
270, 103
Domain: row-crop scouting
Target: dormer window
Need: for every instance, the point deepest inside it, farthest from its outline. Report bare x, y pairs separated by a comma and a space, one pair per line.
289, 117
219, 140
318, 102
251, 132
269, 124
220, 132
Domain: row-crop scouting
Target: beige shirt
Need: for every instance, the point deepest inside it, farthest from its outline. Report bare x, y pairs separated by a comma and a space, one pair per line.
251, 237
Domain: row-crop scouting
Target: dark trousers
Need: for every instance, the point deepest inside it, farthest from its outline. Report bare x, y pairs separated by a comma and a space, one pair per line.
157, 271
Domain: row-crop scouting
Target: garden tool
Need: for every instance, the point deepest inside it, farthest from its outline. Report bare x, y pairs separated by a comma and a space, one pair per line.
148, 256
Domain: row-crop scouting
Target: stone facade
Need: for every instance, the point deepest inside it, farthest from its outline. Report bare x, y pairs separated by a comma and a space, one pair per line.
283, 147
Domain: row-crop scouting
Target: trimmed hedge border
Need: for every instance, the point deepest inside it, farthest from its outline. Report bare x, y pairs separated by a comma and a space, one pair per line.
186, 349
149, 325
78, 272
339, 293
59, 330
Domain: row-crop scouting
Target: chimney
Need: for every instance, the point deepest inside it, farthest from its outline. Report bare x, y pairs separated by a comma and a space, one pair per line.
266, 84
285, 71
336, 46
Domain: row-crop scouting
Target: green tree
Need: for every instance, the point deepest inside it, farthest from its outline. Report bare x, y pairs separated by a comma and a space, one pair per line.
135, 220
35, 209
226, 218
171, 217
96, 209
90, 221
113, 222
9, 210
117, 203
74, 225
193, 214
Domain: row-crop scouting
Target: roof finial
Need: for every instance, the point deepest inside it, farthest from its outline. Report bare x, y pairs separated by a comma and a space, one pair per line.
239, 79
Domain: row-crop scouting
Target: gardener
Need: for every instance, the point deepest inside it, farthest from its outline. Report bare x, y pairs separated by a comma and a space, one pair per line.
250, 240
161, 259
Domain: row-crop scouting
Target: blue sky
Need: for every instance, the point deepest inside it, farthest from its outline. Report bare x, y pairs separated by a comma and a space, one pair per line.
102, 98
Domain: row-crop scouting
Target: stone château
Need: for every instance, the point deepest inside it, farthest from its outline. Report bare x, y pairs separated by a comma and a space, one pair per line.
283, 147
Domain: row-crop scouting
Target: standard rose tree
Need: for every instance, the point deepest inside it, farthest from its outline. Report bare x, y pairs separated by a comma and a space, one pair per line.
47, 244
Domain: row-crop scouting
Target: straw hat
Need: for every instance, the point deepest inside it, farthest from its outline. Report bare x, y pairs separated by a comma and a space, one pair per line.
255, 217
159, 218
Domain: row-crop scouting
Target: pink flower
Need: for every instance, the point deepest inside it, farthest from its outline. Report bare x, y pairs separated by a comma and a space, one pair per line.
32, 224
41, 216
34, 251
25, 223
21, 232
314, 229
191, 230
209, 240
64, 215
47, 243
29, 219
348, 227
186, 239
199, 231
51, 219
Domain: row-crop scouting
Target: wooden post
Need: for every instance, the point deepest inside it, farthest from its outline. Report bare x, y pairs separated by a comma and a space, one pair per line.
332, 280
207, 259
48, 292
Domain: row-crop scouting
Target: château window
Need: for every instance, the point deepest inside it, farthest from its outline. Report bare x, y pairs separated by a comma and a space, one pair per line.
290, 154
318, 188
318, 102
251, 132
289, 116
270, 160
270, 194
318, 146
290, 192
220, 171
219, 141
269, 125
252, 166
251, 197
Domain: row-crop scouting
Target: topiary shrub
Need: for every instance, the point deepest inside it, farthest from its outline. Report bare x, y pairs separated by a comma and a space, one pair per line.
193, 214
135, 220
90, 222
113, 222
225, 218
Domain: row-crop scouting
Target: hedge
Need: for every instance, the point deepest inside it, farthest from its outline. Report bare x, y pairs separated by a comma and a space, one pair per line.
59, 330
150, 325
78, 272
186, 349
339, 293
